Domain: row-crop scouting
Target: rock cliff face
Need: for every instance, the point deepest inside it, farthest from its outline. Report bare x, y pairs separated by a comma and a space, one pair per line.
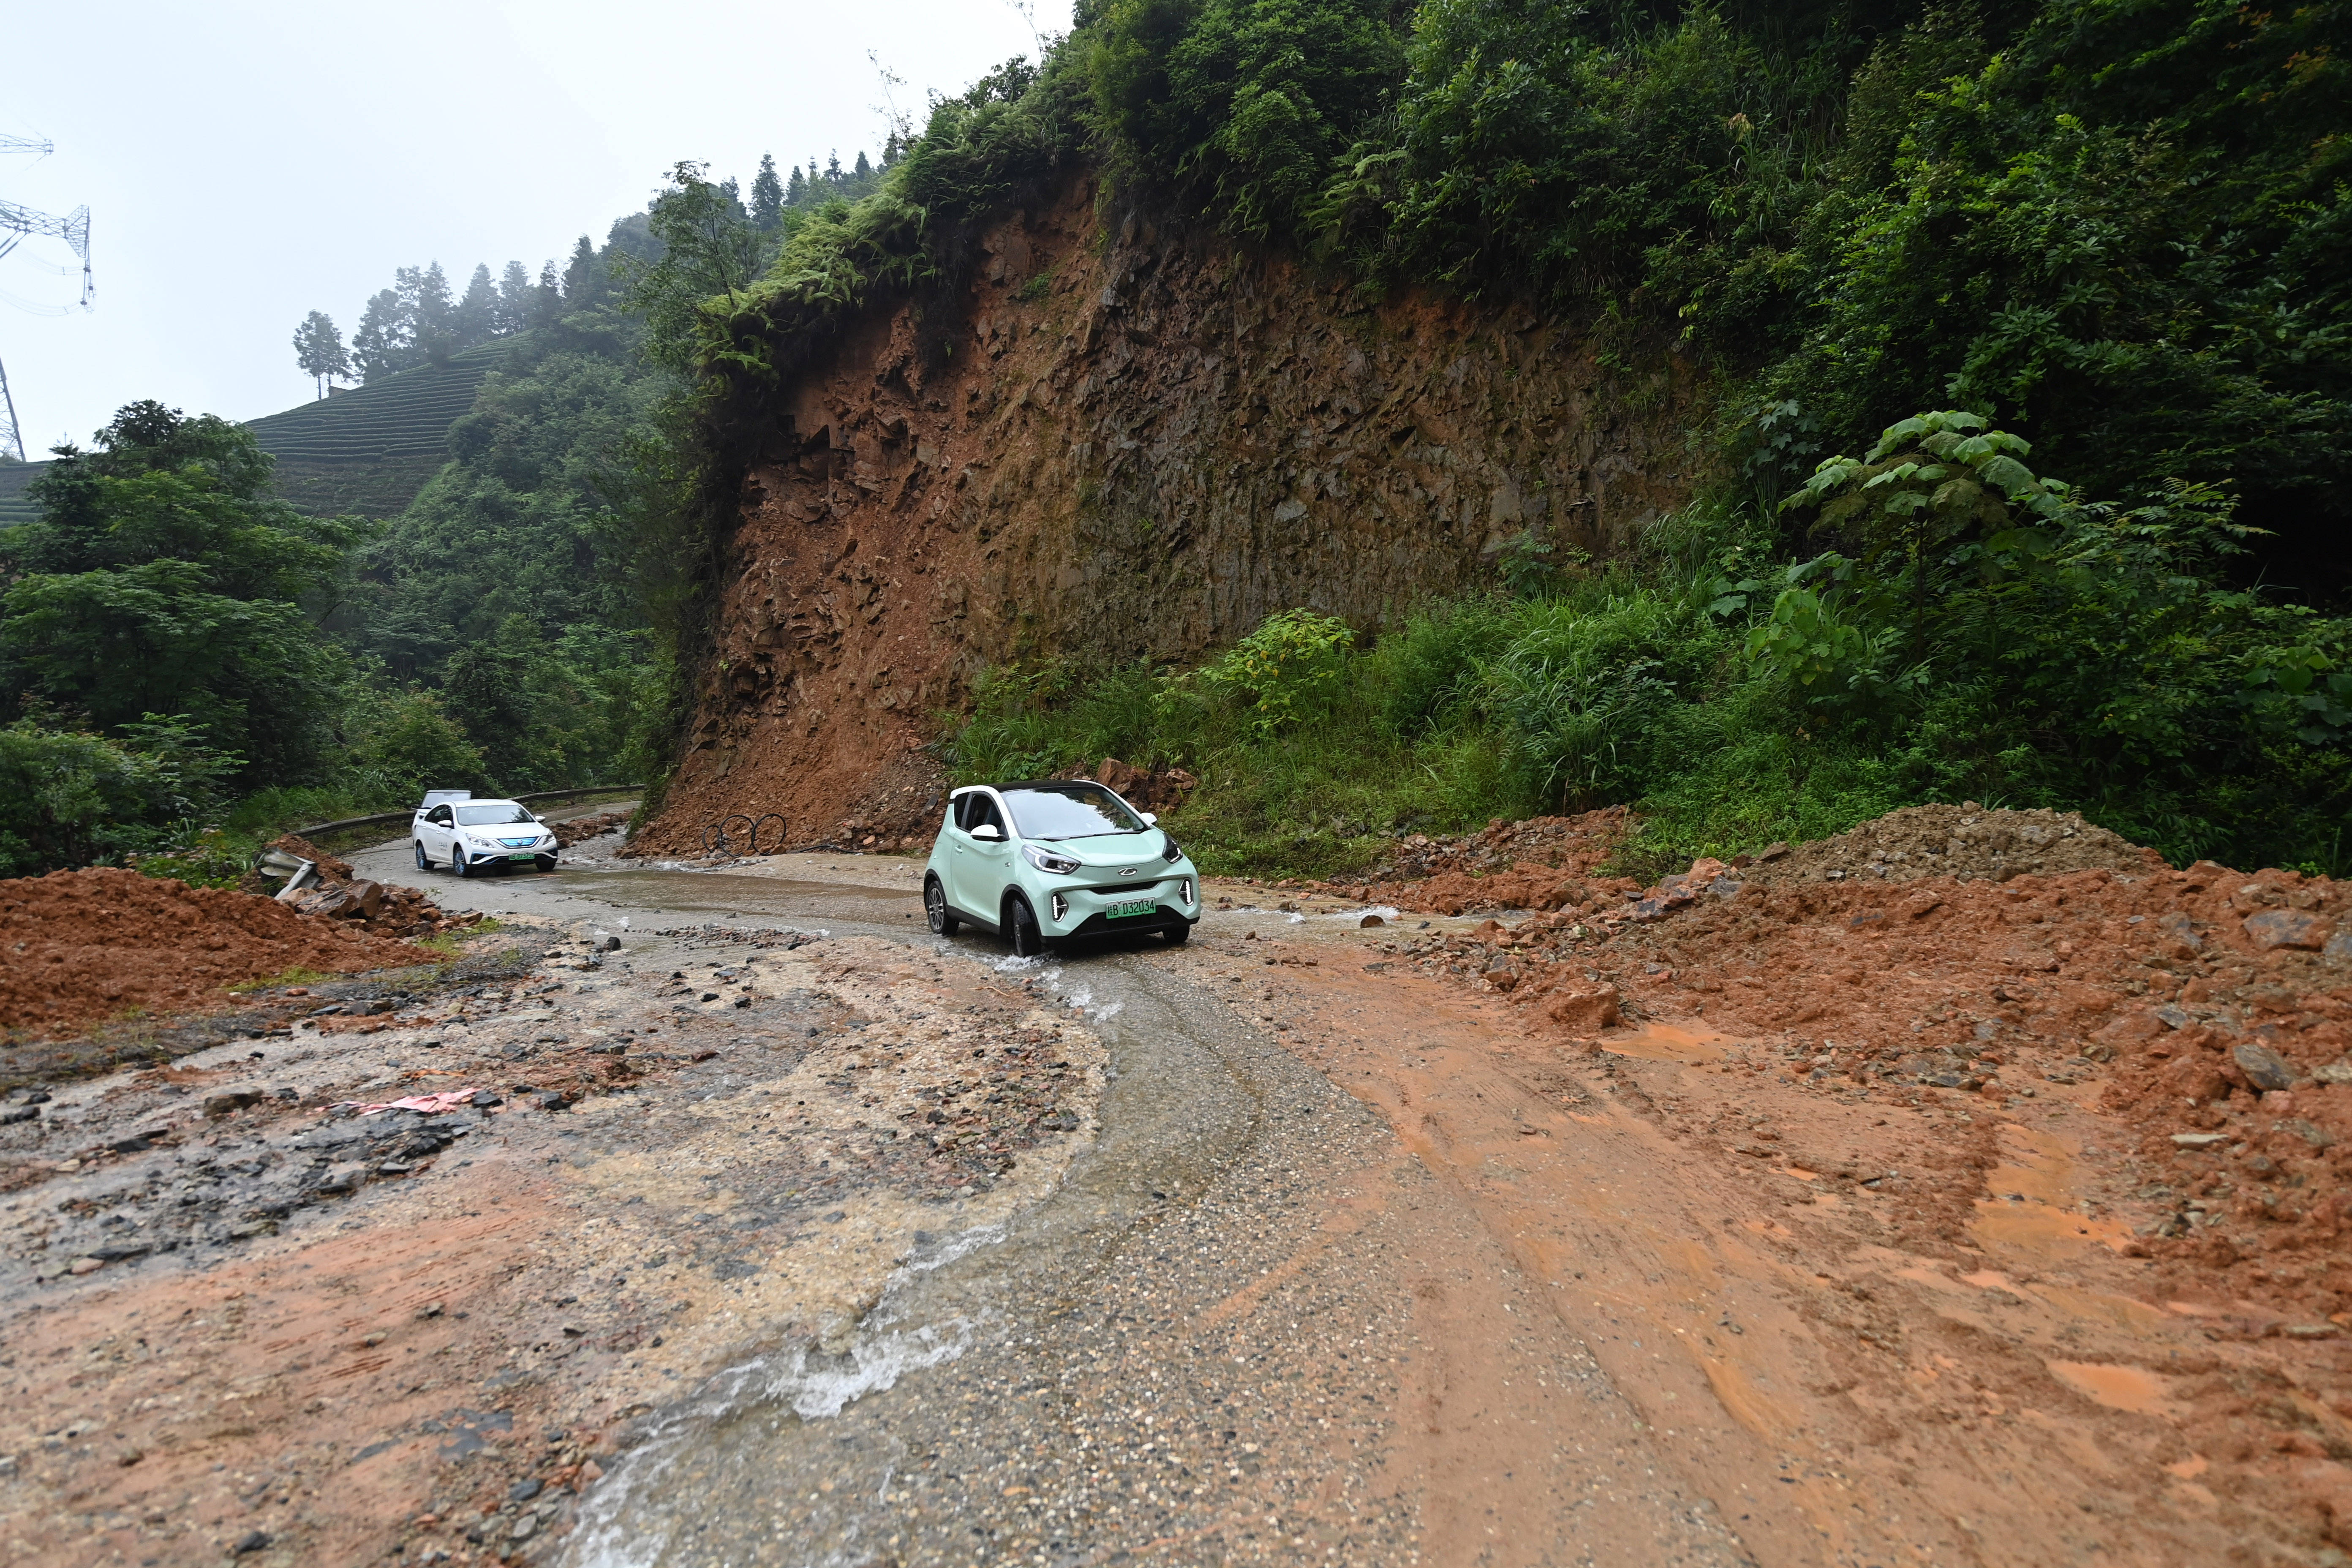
1124, 445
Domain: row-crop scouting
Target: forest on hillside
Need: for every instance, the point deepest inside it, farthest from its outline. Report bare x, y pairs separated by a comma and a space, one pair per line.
188, 664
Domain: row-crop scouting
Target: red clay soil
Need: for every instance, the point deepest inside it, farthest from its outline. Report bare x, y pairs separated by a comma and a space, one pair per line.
85, 946
2214, 1007
1540, 863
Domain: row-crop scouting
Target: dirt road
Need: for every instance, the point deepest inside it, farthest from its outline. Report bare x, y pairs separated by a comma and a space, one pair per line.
867, 1248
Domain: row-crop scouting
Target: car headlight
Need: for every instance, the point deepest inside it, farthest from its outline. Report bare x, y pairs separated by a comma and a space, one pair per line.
1046, 860
1173, 852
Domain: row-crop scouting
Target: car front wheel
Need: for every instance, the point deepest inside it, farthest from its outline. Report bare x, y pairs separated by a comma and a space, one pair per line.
936, 913
459, 864
1178, 935
1021, 925
424, 863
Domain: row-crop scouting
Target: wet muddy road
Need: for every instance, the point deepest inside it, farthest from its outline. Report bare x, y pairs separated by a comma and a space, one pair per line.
800, 1236
1248, 1325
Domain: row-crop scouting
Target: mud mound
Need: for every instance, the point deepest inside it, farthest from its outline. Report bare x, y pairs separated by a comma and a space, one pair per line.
83, 946
1540, 863
1964, 842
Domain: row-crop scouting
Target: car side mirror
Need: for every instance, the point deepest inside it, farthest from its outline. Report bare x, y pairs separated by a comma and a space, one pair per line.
1151, 819
989, 831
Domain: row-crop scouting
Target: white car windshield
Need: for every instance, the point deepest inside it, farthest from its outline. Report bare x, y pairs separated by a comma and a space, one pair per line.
492, 816
1069, 811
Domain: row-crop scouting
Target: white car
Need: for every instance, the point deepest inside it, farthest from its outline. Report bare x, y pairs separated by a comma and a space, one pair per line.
472, 836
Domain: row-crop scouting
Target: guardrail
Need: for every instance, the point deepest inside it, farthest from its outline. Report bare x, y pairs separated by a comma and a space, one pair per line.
384, 817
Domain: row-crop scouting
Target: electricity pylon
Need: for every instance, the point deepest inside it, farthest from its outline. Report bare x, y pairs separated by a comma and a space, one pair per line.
15, 224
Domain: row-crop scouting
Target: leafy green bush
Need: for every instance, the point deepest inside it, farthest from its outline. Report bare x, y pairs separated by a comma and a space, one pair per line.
71, 797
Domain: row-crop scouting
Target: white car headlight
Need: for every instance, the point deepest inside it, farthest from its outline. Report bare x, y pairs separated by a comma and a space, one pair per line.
1046, 860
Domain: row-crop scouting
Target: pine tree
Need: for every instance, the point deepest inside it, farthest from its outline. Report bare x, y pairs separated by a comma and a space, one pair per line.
318, 350
796, 188
476, 318
580, 274
381, 346
547, 297
424, 298
515, 301
768, 196
832, 169
864, 171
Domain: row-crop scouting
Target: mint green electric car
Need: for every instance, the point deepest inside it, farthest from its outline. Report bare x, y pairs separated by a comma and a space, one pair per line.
1050, 860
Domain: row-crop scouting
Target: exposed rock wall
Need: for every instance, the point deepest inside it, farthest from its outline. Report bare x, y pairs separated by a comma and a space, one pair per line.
1124, 446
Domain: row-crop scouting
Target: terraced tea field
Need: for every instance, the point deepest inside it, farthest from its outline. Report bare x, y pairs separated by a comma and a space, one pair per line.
365, 451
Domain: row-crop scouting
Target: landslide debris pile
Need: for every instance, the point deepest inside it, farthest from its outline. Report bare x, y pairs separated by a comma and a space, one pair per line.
1541, 863
580, 830
382, 908
1965, 842
84, 946
1549, 862
2213, 1006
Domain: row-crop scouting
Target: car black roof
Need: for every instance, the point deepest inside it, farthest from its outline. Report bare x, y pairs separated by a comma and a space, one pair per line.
1036, 783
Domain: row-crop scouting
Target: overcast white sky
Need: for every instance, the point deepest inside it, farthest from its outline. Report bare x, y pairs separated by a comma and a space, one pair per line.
245, 162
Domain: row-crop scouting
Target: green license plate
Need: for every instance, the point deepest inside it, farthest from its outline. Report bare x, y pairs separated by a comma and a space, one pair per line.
1132, 907
523, 856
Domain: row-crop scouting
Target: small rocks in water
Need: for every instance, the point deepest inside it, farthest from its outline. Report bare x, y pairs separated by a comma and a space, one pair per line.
9, 1117
85, 1266
2263, 1067
524, 1491
219, 1105
524, 1528
257, 1540
1371, 920
2199, 1139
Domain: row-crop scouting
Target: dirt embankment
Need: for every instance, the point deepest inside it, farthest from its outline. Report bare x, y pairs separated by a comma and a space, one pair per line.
1994, 1214
85, 946
1126, 445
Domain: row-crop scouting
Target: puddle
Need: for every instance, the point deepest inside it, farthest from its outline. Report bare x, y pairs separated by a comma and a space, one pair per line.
1667, 1043
2116, 1387
2034, 1200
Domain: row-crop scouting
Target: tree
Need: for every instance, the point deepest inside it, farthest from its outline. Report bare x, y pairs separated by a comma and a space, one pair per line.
580, 274
425, 296
476, 318
515, 302
862, 169
767, 196
381, 345
796, 188
164, 577
708, 249
547, 296
318, 350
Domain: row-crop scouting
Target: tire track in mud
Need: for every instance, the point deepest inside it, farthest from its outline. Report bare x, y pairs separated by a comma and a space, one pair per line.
1839, 1393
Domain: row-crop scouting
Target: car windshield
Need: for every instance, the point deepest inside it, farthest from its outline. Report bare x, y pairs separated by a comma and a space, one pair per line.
495, 815
1069, 811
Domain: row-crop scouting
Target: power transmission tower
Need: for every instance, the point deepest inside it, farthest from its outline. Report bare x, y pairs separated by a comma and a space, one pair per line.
15, 224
